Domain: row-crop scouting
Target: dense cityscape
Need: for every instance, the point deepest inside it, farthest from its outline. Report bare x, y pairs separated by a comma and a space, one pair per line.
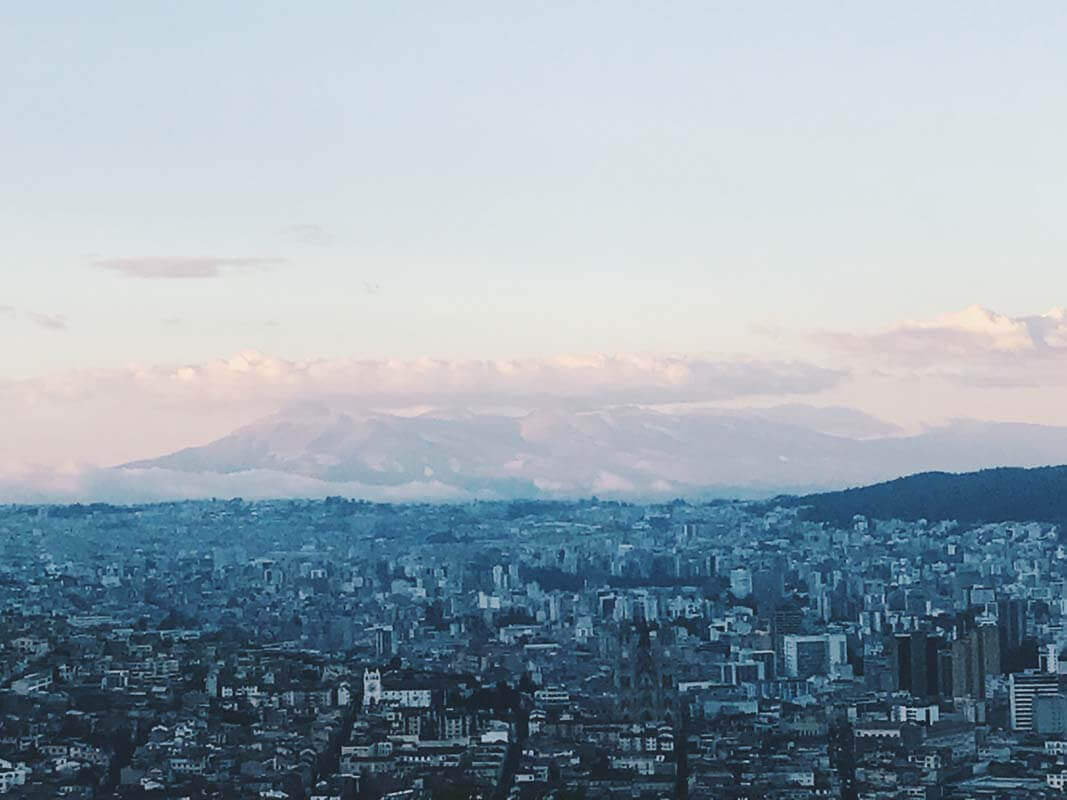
339, 649
533, 401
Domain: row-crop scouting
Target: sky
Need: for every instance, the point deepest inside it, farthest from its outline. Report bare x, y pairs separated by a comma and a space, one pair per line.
867, 195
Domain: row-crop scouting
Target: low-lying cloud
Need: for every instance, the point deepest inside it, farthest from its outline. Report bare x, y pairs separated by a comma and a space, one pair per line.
84, 483
179, 267
598, 379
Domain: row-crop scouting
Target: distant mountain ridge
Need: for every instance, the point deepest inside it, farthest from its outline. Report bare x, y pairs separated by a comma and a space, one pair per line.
1005, 494
624, 452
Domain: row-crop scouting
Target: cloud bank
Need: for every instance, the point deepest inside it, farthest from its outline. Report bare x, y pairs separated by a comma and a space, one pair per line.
85, 483
115, 415
974, 346
972, 363
597, 379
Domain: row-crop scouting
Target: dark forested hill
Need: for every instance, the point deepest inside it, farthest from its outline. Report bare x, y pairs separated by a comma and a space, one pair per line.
991, 495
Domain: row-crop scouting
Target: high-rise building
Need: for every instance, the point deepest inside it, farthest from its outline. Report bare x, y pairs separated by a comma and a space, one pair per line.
805, 656
787, 619
1011, 624
384, 646
990, 634
968, 667
945, 673
740, 582
1023, 688
768, 586
913, 659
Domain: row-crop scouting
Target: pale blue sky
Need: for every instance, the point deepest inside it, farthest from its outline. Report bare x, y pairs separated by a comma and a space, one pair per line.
519, 179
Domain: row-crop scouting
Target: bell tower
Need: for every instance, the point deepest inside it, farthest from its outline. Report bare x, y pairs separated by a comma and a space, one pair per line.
372, 687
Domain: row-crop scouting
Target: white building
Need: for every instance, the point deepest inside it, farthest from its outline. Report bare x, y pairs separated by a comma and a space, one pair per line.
12, 775
33, 682
821, 654
741, 582
372, 687
921, 715
1023, 687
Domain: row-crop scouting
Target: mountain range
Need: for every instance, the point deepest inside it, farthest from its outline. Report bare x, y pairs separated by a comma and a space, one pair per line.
625, 452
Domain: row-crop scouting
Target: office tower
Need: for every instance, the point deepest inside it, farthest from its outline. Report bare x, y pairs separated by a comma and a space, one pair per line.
933, 675
768, 586
913, 658
787, 619
990, 636
383, 641
740, 582
805, 656
945, 673
898, 655
1011, 624
968, 667
1023, 688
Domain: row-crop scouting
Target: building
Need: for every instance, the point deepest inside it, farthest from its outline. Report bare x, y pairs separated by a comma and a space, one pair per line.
962, 673
12, 775
741, 582
33, 682
804, 656
1050, 715
913, 663
384, 644
1011, 624
920, 715
372, 687
1023, 688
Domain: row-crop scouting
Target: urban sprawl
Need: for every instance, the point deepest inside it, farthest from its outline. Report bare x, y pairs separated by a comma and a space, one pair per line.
342, 650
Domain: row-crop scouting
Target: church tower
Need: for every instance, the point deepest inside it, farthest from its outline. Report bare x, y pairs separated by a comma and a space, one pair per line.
372, 687
643, 688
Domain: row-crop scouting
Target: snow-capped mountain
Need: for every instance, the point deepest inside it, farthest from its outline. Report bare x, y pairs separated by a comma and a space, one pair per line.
622, 452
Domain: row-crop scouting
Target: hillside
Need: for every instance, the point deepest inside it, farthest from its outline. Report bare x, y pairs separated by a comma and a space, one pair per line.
990, 495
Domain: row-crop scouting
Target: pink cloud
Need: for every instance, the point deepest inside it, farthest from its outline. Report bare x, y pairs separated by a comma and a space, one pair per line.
975, 346
114, 415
